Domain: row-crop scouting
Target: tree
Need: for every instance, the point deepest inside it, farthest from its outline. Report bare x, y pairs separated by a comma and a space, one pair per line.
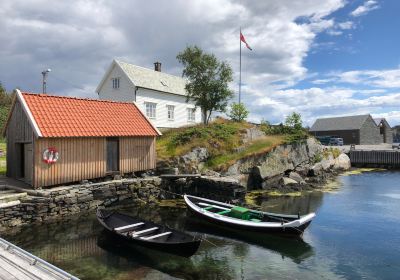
5, 104
294, 121
238, 112
208, 80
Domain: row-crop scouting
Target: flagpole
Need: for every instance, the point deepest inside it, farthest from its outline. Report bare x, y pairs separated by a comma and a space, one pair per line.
240, 63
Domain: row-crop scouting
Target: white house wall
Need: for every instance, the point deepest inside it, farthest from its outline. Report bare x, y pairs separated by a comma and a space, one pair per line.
125, 92
162, 100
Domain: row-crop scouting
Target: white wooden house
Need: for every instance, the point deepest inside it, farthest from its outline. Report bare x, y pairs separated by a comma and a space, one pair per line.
162, 97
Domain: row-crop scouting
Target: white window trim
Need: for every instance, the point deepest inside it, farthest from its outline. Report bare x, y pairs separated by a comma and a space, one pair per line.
115, 82
193, 110
155, 109
173, 112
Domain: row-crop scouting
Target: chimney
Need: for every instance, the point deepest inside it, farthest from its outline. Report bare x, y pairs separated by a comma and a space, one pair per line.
157, 66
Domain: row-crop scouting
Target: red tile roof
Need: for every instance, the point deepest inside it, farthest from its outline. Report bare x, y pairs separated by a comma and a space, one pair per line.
58, 116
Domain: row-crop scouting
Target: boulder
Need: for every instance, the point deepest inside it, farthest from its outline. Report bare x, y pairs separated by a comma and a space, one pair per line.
342, 162
288, 181
316, 169
296, 176
198, 154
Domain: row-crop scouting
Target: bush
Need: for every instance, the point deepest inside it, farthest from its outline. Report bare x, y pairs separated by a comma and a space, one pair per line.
238, 112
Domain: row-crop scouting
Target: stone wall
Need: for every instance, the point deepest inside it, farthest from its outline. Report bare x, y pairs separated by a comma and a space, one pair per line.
64, 201
370, 133
212, 187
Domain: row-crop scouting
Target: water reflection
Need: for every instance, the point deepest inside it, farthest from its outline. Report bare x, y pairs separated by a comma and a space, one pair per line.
304, 204
294, 248
340, 243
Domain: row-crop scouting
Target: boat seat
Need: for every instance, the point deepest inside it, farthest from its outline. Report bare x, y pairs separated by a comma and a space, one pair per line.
156, 236
255, 220
128, 227
224, 212
215, 206
137, 233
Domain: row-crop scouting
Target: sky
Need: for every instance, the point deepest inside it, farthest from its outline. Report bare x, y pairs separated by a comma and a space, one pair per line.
319, 58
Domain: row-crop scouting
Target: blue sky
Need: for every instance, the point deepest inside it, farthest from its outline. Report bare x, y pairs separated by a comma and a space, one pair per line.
318, 58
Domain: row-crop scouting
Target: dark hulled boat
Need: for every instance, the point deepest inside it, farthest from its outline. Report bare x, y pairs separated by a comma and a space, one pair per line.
148, 234
246, 219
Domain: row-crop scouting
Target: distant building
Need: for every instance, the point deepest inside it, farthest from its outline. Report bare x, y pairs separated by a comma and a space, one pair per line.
53, 140
385, 130
162, 97
359, 130
396, 133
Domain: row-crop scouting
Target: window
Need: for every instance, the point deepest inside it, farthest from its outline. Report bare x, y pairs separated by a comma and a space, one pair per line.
151, 110
115, 83
170, 109
191, 114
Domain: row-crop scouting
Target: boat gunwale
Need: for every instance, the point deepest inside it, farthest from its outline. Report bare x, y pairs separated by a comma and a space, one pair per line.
231, 220
151, 241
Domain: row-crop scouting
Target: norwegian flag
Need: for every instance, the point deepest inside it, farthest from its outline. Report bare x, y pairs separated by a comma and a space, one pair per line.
244, 41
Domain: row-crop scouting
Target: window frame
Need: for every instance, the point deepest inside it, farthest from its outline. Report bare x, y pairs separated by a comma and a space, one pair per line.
151, 111
171, 118
191, 115
115, 82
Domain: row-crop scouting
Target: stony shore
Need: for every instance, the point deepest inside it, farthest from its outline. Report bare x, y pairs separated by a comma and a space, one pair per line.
288, 168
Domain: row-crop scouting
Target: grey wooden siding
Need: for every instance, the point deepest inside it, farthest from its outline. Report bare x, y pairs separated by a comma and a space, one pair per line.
18, 131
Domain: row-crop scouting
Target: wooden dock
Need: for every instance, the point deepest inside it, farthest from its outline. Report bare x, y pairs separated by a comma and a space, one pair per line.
18, 264
379, 158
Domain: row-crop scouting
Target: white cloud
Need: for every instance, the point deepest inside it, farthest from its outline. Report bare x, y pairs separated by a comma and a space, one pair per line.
324, 102
389, 78
365, 8
345, 25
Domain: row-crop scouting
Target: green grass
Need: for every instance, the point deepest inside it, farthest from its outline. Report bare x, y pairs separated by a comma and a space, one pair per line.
218, 137
221, 138
256, 147
3, 163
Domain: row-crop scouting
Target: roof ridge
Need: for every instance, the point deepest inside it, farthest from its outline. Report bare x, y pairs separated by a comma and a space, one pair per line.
348, 116
73, 97
148, 69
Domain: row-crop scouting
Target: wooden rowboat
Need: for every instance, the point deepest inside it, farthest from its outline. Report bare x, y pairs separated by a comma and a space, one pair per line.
148, 234
242, 218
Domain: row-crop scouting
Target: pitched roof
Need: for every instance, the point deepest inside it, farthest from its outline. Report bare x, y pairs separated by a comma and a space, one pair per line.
148, 78
378, 121
58, 116
339, 123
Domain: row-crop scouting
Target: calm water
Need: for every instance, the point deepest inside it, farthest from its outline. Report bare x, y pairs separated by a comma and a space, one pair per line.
355, 235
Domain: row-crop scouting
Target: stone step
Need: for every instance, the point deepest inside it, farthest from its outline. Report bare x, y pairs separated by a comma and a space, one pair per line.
6, 191
8, 197
9, 204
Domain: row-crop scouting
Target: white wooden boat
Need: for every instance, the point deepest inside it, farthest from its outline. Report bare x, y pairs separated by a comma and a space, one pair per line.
237, 217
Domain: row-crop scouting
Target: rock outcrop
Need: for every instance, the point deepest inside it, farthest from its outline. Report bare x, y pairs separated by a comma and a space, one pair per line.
306, 164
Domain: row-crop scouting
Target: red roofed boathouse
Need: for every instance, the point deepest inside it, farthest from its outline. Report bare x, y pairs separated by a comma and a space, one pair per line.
53, 140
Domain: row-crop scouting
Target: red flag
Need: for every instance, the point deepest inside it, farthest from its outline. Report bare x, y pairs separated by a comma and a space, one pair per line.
244, 41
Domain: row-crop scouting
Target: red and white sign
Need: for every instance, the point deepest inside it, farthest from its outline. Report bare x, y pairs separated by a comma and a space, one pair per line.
50, 155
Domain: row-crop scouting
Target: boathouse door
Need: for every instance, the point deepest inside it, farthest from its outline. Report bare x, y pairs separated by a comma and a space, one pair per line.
112, 154
27, 163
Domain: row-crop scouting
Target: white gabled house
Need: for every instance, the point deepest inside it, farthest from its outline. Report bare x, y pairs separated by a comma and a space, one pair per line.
162, 97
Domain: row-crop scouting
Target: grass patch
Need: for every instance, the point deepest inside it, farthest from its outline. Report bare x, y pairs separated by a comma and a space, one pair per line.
3, 159
217, 137
222, 139
256, 147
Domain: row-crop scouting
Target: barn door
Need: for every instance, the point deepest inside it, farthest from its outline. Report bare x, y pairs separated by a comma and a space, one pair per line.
112, 154
28, 163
